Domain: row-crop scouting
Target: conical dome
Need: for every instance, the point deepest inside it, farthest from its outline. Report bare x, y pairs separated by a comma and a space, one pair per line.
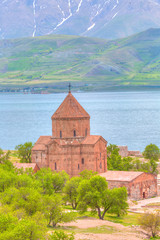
70, 108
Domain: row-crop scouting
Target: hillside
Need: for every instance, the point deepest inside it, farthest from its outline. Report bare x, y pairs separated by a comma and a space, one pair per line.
109, 19
52, 61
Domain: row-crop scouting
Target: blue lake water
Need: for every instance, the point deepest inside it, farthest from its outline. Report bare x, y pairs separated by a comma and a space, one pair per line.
122, 118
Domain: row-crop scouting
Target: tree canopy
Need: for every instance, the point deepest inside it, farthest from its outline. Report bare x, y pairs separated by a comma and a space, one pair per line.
24, 152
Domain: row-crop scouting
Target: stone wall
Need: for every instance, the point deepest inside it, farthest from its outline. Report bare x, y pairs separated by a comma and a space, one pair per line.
144, 186
124, 152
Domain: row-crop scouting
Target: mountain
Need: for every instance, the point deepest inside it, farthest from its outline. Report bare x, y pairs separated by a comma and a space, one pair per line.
89, 63
109, 19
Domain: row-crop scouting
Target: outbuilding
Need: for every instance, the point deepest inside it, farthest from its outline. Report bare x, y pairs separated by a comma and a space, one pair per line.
139, 185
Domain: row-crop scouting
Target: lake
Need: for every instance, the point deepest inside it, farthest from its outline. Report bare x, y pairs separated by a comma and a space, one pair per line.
122, 118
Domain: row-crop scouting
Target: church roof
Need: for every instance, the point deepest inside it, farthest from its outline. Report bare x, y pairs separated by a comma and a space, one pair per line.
41, 143
70, 108
122, 176
25, 165
92, 139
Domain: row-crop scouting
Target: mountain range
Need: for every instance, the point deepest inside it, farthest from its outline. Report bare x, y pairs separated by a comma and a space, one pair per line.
108, 19
88, 63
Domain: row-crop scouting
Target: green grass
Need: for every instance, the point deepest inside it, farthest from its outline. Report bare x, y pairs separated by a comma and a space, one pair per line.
127, 220
50, 61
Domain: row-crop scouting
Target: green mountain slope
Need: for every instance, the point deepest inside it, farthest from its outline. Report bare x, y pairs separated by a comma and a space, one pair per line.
52, 61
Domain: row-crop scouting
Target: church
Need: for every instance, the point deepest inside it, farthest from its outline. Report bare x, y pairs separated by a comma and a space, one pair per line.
71, 147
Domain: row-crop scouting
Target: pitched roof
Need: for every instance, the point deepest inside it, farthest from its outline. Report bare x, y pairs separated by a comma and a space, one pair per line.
92, 139
70, 108
123, 176
41, 143
25, 165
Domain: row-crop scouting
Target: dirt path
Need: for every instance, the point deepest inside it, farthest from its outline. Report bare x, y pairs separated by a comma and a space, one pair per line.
139, 207
119, 232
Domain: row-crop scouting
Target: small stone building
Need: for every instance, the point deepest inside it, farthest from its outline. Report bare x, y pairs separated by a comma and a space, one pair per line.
71, 147
139, 185
25, 166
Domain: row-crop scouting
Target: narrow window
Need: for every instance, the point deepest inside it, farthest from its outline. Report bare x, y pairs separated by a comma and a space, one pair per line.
100, 165
60, 134
86, 132
78, 166
82, 160
74, 133
55, 166
100, 155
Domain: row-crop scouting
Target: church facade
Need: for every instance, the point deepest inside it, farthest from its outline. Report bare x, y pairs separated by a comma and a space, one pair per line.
71, 147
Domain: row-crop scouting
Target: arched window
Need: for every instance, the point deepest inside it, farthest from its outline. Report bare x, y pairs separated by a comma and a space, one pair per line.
86, 132
60, 134
74, 133
55, 166
82, 160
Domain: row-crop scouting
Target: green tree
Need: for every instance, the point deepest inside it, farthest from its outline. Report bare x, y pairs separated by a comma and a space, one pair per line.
24, 152
87, 174
27, 229
94, 193
115, 161
7, 179
51, 181
150, 222
54, 212
119, 205
4, 160
61, 235
151, 152
71, 191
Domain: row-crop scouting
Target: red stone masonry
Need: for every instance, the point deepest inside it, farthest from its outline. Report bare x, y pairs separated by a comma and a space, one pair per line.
71, 147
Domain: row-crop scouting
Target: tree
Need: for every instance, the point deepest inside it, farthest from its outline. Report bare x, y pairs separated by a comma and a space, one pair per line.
27, 229
24, 152
87, 174
115, 161
51, 181
150, 222
61, 235
71, 191
119, 205
54, 212
151, 152
7, 179
94, 193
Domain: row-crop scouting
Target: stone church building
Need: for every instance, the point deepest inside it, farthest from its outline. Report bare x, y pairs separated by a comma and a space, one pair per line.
71, 147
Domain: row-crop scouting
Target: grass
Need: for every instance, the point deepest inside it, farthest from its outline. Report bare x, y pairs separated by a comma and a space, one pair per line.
127, 220
50, 60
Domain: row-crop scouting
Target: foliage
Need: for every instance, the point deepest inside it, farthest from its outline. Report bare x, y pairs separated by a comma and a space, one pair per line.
94, 193
61, 235
4, 160
150, 222
116, 162
26, 229
53, 210
71, 191
24, 152
7, 179
51, 181
87, 174
151, 152
120, 204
